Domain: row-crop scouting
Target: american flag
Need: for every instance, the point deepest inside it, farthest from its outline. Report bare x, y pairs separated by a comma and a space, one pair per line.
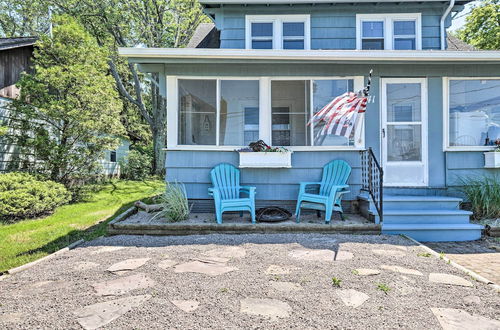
343, 115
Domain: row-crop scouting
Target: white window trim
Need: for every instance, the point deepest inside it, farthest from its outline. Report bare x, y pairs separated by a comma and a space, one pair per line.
388, 20
446, 116
278, 21
265, 119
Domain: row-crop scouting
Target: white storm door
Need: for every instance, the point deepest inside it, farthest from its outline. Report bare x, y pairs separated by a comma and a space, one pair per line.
404, 131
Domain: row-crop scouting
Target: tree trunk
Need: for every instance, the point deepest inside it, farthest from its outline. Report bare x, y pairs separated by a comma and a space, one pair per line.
159, 127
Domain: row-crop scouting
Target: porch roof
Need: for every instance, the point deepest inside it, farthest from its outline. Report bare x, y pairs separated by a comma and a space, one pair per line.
162, 55
293, 2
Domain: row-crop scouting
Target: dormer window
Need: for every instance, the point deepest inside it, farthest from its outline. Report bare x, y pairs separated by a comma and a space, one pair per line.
389, 31
277, 32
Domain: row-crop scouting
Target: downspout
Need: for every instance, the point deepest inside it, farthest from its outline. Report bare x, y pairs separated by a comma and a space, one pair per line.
441, 24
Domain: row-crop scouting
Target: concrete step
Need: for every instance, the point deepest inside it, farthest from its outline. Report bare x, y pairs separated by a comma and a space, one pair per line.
395, 202
435, 232
408, 216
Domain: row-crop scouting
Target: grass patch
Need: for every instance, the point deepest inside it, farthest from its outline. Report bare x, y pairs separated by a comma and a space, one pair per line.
424, 254
28, 240
336, 282
383, 287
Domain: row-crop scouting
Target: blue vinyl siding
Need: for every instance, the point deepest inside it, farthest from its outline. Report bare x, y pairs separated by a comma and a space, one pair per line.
332, 27
192, 168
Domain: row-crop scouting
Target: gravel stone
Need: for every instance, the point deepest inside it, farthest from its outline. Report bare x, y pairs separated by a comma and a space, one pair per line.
285, 286
316, 306
471, 300
389, 253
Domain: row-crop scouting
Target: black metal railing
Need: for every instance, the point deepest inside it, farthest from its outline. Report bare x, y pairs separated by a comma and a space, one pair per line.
372, 180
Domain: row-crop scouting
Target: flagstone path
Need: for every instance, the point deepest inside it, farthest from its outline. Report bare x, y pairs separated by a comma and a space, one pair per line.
246, 281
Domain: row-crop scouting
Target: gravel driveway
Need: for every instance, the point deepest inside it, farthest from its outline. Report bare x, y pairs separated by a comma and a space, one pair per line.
292, 281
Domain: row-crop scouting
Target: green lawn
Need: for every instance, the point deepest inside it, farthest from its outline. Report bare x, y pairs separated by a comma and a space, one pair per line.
28, 240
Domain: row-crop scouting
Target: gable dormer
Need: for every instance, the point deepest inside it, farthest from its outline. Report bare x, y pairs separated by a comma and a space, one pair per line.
333, 24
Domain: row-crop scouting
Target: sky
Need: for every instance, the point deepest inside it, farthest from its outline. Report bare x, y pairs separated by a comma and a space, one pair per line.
459, 20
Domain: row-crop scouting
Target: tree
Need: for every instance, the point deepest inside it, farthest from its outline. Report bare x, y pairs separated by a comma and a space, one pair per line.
130, 23
68, 111
20, 18
482, 27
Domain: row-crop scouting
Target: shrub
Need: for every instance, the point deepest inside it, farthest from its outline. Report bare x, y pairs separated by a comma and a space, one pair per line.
24, 196
483, 193
136, 166
175, 203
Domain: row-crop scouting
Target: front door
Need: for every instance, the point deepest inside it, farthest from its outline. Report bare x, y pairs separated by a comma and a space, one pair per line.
404, 131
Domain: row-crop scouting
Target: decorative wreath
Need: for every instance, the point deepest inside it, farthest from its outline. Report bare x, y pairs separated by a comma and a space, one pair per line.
272, 214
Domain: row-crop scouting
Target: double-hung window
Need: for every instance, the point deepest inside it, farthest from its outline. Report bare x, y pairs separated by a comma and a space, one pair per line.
389, 31
277, 32
472, 114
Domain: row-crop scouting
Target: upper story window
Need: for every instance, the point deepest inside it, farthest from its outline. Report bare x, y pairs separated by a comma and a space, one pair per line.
277, 32
389, 31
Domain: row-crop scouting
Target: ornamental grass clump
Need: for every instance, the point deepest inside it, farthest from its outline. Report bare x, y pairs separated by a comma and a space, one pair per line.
483, 193
174, 203
24, 196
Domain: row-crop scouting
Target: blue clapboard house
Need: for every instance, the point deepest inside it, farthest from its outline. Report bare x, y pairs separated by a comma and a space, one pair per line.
264, 67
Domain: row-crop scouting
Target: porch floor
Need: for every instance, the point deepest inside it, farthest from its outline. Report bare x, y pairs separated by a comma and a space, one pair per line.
202, 223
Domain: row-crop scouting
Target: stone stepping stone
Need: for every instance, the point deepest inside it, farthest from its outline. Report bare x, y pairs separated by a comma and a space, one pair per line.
352, 298
86, 265
187, 306
127, 265
108, 249
227, 252
312, 255
457, 319
202, 267
286, 286
167, 263
100, 314
343, 255
12, 317
472, 300
402, 270
389, 253
366, 271
271, 308
123, 285
277, 270
448, 279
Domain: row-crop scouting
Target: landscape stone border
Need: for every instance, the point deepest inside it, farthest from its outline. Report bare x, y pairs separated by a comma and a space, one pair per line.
469, 272
115, 227
33, 263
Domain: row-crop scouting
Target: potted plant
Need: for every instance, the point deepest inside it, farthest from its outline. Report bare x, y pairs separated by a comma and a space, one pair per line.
261, 155
492, 158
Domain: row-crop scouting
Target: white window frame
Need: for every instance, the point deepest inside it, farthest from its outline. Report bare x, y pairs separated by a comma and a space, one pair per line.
388, 20
278, 21
265, 115
446, 116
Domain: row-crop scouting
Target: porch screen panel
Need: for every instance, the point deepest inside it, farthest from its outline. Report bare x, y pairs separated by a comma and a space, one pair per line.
290, 101
239, 112
324, 91
474, 112
197, 112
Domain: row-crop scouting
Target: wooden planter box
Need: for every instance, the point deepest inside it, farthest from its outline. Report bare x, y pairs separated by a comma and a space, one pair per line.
265, 159
492, 159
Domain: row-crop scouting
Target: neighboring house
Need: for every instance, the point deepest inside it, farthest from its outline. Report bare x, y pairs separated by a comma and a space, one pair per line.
433, 111
15, 58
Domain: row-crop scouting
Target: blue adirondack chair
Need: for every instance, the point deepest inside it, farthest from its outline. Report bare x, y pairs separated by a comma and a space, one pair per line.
227, 192
332, 187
